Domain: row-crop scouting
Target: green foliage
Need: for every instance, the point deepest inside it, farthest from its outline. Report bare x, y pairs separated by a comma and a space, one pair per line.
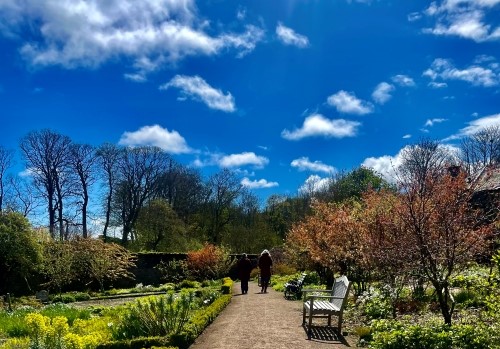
58, 264
376, 305
391, 334
198, 322
82, 296
283, 269
173, 271
20, 253
136, 343
468, 299
353, 184
158, 228
155, 316
63, 298
187, 284
312, 277
13, 324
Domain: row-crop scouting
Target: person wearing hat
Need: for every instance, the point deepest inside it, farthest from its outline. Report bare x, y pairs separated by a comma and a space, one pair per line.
244, 269
265, 264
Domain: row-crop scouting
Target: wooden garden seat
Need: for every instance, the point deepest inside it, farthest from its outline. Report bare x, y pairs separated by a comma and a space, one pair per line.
325, 303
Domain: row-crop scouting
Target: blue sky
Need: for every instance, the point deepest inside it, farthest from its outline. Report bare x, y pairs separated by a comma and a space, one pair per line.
284, 92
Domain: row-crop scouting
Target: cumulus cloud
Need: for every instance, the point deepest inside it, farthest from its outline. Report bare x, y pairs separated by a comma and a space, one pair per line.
314, 183
403, 80
304, 164
88, 33
172, 142
464, 18
243, 159
475, 74
289, 37
385, 165
316, 125
195, 88
346, 102
476, 125
257, 184
382, 92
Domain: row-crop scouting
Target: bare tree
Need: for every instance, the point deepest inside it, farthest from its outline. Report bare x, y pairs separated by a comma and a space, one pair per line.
46, 155
108, 155
22, 196
139, 170
223, 189
422, 161
6, 158
83, 161
481, 149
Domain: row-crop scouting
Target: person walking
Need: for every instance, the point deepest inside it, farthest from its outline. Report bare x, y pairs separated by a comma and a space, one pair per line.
265, 265
244, 269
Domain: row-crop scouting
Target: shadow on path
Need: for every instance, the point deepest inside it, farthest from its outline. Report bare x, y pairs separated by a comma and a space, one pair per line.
265, 320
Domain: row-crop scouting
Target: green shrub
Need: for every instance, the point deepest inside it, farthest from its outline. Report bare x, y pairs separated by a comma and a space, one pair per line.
198, 322
155, 316
375, 305
312, 278
391, 334
173, 271
136, 343
187, 284
63, 298
468, 298
283, 269
82, 296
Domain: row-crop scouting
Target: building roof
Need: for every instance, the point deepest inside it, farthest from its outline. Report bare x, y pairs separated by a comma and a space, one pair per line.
489, 179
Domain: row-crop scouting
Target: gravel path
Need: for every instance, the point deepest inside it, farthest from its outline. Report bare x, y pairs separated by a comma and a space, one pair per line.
256, 320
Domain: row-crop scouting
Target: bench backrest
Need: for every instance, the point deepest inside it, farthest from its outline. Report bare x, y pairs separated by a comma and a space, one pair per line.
341, 290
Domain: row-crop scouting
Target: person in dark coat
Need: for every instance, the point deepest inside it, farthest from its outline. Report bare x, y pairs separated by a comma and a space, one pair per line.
265, 265
244, 269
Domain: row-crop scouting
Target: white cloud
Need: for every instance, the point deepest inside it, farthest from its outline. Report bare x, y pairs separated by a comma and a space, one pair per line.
246, 158
171, 142
385, 166
431, 122
317, 125
346, 102
414, 16
476, 75
261, 183
382, 92
196, 88
314, 183
436, 85
304, 164
403, 80
88, 33
476, 126
407, 136
289, 37
464, 18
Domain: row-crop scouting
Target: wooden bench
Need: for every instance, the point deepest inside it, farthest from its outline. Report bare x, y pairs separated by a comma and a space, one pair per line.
325, 303
293, 288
